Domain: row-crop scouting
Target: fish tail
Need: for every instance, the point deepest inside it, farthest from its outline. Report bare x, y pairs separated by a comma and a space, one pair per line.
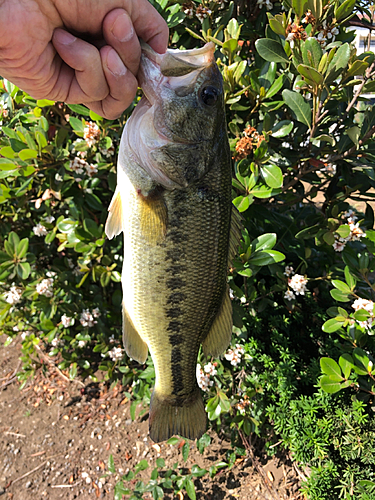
167, 418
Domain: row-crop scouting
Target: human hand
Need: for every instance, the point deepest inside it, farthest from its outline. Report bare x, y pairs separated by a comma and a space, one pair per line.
78, 51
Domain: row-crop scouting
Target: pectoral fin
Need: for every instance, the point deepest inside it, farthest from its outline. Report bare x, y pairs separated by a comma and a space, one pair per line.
114, 224
235, 235
154, 217
133, 344
219, 336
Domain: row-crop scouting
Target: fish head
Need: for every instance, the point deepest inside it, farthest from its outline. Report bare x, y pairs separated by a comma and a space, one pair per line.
181, 118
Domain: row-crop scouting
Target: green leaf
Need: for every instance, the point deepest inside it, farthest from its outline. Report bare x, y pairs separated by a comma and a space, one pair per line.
22, 248
185, 450
332, 325
283, 128
266, 257
27, 154
230, 45
340, 285
339, 63
276, 25
298, 105
331, 368
79, 109
190, 489
264, 242
142, 465
340, 296
270, 50
363, 365
160, 462
7, 152
276, 86
329, 385
272, 175
343, 231
42, 103
242, 203
310, 74
111, 464
76, 124
346, 363
173, 441
344, 10
312, 52
316, 7
196, 471
361, 315
299, 7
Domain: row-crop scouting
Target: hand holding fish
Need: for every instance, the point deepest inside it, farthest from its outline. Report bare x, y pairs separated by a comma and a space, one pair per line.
81, 51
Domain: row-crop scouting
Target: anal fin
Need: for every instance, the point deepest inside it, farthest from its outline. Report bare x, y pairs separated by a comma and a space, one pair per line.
114, 224
133, 344
219, 336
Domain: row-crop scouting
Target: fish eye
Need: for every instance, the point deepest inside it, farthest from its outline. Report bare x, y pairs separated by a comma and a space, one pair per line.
209, 95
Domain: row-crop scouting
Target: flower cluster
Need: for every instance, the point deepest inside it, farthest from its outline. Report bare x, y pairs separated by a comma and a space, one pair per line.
66, 321
88, 318
309, 18
91, 133
202, 12
295, 32
56, 342
243, 404
251, 140
13, 295
45, 287
367, 305
78, 165
327, 34
204, 375
296, 283
234, 355
188, 9
116, 353
39, 230
265, 3
355, 234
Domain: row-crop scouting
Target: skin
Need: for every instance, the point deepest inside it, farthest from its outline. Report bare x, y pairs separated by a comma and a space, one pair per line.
78, 51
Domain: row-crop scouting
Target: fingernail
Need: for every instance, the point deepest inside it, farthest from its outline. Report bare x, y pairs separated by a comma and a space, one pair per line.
122, 28
115, 64
64, 37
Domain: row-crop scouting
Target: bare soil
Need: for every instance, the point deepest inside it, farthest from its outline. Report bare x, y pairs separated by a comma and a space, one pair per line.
56, 437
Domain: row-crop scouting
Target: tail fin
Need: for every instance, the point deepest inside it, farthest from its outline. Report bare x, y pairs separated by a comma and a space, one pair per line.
166, 418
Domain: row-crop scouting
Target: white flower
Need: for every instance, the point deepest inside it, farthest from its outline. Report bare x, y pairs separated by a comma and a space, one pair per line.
91, 170
91, 133
116, 353
56, 342
107, 152
356, 232
87, 319
203, 378
289, 295
45, 287
234, 355
298, 284
49, 219
78, 165
66, 321
367, 305
59, 177
265, 3
82, 343
210, 369
288, 270
40, 230
339, 245
13, 295
96, 312
25, 334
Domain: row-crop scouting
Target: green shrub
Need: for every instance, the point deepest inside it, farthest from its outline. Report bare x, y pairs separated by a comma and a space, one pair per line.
300, 368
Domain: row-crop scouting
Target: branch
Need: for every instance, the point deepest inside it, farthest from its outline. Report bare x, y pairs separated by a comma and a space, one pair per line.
359, 89
352, 150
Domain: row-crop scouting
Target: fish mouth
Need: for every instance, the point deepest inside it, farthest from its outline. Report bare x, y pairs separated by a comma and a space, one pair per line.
173, 69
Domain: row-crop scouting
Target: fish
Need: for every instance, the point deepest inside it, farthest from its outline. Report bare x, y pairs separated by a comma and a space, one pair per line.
173, 205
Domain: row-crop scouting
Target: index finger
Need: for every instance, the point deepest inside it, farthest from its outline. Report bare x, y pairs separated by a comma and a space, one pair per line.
149, 24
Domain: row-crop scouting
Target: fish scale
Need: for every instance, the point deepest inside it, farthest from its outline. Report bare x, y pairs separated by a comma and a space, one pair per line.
173, 205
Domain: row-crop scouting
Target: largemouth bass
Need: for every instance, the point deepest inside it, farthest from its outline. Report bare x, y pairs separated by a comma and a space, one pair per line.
173, 204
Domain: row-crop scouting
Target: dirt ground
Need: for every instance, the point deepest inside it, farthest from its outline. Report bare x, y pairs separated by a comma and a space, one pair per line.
56, 437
